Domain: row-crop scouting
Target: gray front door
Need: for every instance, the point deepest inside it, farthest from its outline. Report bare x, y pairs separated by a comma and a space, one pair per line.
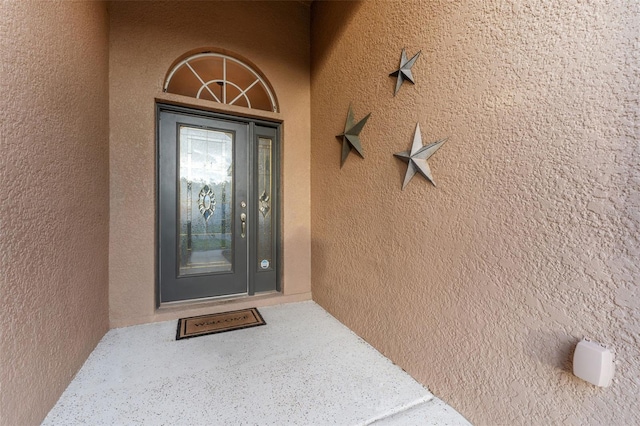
217, 197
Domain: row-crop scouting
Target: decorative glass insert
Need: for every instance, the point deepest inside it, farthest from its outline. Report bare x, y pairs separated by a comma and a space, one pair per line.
206, 202
205, 227
220, 78
265, 203
265, 219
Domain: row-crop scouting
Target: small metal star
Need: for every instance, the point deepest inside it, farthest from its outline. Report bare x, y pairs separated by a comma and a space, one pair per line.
404, 72
350, 136
418, 156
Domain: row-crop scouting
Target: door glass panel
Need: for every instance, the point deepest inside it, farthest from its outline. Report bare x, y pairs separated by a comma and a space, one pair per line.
265, 195
205, 211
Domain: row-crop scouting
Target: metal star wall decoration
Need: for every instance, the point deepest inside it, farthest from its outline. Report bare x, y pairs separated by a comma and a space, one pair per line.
404, 72
418, 156
350, 136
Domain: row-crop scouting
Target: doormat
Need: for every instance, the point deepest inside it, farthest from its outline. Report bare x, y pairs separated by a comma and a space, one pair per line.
218, 323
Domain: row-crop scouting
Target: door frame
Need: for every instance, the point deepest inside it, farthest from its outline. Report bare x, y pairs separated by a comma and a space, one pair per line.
252, 122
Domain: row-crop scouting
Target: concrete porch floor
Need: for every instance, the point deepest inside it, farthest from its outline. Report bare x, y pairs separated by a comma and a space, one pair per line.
302, 368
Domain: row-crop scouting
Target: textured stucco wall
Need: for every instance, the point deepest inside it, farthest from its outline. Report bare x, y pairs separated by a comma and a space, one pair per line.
54, 206
481, 287
145, 39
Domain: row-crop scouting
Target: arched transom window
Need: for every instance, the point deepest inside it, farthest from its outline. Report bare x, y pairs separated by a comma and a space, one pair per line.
220, 78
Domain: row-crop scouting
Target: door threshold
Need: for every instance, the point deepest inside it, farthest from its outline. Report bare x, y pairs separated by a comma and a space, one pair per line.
215, 301
192, 308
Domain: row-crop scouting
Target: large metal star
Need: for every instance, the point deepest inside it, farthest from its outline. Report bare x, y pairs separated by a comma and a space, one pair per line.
404, 72
350, 136
418, 156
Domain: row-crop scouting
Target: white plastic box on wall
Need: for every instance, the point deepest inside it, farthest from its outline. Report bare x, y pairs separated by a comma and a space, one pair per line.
594, 363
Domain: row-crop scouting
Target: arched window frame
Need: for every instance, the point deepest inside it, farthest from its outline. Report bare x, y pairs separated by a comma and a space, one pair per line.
205, 85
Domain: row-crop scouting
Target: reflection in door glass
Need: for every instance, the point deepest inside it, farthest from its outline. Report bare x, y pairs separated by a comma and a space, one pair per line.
265, 218
206, 188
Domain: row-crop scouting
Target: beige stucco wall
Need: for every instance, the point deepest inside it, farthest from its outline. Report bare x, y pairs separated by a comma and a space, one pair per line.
145, 40
480, 288
54, 206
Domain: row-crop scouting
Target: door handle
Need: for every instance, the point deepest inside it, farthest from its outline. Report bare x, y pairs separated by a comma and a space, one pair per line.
243, 220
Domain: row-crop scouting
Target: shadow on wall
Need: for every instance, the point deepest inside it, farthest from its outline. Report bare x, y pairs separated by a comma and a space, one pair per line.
318, 258
554, 349
338, 17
